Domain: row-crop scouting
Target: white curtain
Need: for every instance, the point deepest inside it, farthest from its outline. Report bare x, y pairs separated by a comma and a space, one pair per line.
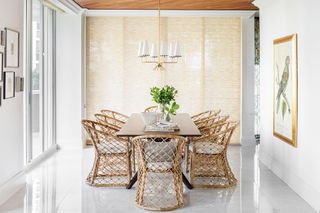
207, 76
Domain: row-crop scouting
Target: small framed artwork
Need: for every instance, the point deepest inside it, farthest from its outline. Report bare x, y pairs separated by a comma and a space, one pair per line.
11, 48
9, 85
285, 89
1, 66
2, 38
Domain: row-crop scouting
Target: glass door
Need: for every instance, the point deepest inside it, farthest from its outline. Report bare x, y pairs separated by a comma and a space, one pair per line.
40, 75
37, 81
48, 77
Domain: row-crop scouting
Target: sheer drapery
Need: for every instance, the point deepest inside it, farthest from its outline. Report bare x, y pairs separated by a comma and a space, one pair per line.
207, 76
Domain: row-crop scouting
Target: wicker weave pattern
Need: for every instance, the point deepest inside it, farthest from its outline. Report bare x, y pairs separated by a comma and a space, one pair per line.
205, 122
205, 115
160, 172
112, 164
210, 125
110, 121
206, 126
202, 120
115, 115
209, 163
151, 109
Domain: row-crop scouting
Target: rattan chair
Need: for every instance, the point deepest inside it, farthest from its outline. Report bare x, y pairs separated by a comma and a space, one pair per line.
112, 164
159, 172
115, 123
205, 127
151, 109
205, 115
115, 115
209, 163
201, 120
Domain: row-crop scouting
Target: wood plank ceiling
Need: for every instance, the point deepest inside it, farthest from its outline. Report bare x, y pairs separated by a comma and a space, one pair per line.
167, 4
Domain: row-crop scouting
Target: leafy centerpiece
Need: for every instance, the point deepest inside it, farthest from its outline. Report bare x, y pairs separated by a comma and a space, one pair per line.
165, 98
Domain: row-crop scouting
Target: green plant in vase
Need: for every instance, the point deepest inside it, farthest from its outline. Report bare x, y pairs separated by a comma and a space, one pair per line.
165, 97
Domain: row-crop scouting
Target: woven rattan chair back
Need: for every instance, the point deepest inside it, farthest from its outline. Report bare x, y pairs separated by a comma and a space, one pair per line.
211, 125
205, 115
209, 164
112, 165
151, 109
116, 115
160, 172
110, 121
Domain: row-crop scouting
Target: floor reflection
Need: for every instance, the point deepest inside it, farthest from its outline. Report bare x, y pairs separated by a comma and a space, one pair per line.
41, 191
58, 186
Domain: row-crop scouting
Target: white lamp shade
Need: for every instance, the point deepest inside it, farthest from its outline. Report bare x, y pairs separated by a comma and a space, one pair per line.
177, 51
153, 52
140, 51
163, 49
171, 50
145, 49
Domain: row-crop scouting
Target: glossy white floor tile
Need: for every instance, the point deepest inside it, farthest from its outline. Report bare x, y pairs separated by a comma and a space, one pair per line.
58, 186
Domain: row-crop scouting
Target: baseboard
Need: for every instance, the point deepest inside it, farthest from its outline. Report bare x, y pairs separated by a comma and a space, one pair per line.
234, 144
304, 190
17, 182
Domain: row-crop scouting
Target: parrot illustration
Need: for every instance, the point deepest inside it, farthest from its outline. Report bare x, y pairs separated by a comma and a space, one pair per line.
283, 85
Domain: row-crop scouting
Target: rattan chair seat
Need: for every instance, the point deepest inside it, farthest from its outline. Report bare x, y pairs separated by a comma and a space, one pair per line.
208, 148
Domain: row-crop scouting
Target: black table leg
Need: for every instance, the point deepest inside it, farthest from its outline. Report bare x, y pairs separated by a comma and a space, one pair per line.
135, 177
186, 182
133, 181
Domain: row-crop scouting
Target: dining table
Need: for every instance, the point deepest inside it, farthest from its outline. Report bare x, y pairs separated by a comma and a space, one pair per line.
135, 126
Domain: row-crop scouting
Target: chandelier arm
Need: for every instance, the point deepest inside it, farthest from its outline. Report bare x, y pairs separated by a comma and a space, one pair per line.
159, 31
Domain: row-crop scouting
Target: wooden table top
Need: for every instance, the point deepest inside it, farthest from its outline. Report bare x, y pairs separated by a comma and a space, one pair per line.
135, 126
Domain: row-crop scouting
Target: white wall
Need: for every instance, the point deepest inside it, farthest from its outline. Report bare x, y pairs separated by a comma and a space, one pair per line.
68, 78
11, 111
298, 167
247, 82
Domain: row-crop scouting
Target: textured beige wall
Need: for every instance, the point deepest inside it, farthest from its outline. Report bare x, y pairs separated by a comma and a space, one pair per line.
207, 76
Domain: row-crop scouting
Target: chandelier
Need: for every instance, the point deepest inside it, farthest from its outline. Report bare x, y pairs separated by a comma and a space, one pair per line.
161, 53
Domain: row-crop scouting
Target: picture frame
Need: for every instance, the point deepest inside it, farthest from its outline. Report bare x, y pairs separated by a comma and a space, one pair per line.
1, 66
285, 89
9, 85
12, 48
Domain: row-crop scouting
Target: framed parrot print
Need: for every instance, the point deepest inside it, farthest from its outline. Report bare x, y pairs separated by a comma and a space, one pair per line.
285, 89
